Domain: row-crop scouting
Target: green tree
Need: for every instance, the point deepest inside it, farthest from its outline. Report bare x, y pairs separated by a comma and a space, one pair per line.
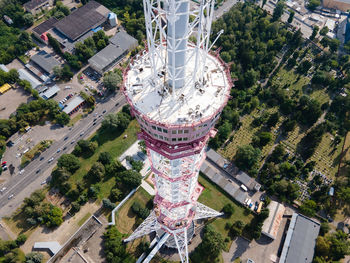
130, 179
96, 172
54, 44
34, 257
291, 16
278, 11
228, 209
313, 4
324, 31
247, 157
54, 218
69, 161
315, 30
62, 118
108, 204
105, 158
112, 80
308, 208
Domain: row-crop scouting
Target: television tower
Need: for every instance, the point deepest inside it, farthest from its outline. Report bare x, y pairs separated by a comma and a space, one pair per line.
176, 90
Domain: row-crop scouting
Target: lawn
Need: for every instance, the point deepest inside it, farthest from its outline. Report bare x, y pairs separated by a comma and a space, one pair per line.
214, 197
35, 151
84, 218
113, 144
75, 119
125, 218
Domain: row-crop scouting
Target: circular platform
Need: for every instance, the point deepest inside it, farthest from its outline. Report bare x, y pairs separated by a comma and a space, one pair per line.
170, 243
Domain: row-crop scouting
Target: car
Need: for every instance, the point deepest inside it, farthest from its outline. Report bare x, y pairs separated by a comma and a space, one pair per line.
50, 160
42, 158
4, 168
72, 142
95, 119
3, 189
64, 148
38, 171
104, 111
250, 205
58, 150
21, 172
10, 196
262, 198
43, 182
81, 134
66, 138
3, 163
117, 104
94, 124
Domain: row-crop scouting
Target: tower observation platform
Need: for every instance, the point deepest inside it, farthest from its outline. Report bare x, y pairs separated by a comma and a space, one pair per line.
176, 89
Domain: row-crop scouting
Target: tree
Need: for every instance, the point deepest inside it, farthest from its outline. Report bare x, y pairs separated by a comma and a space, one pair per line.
116, 195
313, 4
291, 16
315, 30
28, 19
105, 158
116, 122
247, 157
112, 80
66, 73
308, 208
101, 44
34, 257
304, 67
288, 170
21, 239
130, 179
54, 218
108, 204
96, 172
278, 11
324, 31
139, 210
212, 243
262, 139
278, 154
62, 118
228, 209
322, 246
68, 161
54, 44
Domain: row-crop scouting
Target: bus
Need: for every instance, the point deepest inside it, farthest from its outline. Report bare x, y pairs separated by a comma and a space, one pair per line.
259, 207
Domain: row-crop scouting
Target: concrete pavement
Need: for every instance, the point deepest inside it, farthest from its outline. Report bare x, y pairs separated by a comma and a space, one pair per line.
36, 172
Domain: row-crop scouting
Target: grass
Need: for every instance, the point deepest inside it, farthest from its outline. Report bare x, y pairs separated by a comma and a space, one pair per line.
75, 119
18, 224
84, 218
214, 197
125, 217
35, 151
107, 142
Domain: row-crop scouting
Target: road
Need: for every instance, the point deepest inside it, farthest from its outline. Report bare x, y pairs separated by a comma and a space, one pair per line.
35, 170
226, 6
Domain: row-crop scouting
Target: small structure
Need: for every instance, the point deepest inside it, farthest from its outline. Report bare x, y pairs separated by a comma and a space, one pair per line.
4, 68
8, 20
35, 6
272, 223
25, 75
40, 31
112, 19
53, 247
51, 92
120, 44
342, 5
300, 241
5, 88
45, 62
74, 105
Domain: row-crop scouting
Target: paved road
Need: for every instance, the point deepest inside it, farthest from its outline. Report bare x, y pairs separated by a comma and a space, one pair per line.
34, 171
226, 6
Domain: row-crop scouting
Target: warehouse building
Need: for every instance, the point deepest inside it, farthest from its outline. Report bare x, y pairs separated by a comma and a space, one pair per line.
45, 62
25, 75
40, 31
36, 6
300, 241
74, 105
49, 93
272, 223
120, 45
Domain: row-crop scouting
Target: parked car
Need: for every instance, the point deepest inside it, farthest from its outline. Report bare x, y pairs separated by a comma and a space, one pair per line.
38, 171
3, 189
4, 163
10, 196
58, 150
42, 158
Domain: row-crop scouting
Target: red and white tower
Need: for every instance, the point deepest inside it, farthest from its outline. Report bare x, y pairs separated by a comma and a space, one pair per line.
176, 90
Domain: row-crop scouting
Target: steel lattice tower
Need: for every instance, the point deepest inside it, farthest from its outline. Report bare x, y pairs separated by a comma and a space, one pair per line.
176, 90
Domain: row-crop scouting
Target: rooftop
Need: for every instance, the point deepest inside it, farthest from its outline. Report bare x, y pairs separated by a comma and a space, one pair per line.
189, 104
119, 43
34, 3
45, 26
82, 20
73, 104
300, 241
272, 223
45, 61
50, 92
25, 75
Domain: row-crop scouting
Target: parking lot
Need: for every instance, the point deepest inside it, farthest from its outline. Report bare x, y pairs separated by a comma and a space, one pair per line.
10, 100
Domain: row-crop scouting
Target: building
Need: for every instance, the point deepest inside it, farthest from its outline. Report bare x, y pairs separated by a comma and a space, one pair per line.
82, 20
176, 92
45, 62
74, 105
4, 68
300, 241
120, 44
5, 88
272, 223
112, 19
36, 6
40, 31
25, 75
49, 93
343, 5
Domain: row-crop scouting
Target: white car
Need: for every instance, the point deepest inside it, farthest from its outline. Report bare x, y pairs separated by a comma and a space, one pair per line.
10, 196
43, 182
21, 172
3, 189
50, 160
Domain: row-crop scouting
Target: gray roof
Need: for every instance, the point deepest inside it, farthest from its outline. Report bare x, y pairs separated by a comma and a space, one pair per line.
50, 92
243, 178
73, 104
82, 20
34, 3
300, 240
25, 75
119, 43
45, 26
123, 40
53, 246
45, 61
4, 68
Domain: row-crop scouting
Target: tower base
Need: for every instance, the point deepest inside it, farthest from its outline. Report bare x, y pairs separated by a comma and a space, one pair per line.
170, 243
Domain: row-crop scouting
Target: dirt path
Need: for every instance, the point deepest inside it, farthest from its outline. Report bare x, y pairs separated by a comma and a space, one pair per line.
61, 234
5, 230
